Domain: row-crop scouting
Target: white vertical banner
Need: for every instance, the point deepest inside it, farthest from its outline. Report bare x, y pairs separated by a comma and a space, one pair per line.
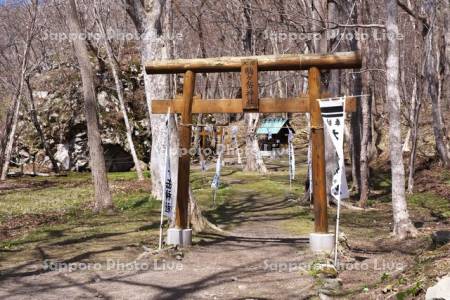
167, 200
168, 195
223, 146
291, 156
216, 180
333, 114
311, 186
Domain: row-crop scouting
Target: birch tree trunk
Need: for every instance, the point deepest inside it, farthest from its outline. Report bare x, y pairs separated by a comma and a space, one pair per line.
415, 114
103, 200
38, 127
151, 24
5, 124
254, 158
11, 136
334, 83
119, 88
254, 162
18, 94
402, 224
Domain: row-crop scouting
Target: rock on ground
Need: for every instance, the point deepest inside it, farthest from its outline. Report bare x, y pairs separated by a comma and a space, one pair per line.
440, 291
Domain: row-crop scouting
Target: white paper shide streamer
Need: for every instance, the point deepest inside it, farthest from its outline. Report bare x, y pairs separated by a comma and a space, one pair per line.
216, 180
291, 156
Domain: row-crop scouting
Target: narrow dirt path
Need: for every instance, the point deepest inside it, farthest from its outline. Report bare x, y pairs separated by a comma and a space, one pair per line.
251, 263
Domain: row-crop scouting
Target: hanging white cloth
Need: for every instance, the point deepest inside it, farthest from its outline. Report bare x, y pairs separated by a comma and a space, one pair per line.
333, 114
167, 207
291, 156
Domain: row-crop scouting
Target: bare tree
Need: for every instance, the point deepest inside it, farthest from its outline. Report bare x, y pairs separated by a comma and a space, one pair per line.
432, 57
103, 200
322, 13
416, 105
115, 68
402, 224
149, 19
365, 113
152, 25
254, 160
18, 93
37, 125
446, 77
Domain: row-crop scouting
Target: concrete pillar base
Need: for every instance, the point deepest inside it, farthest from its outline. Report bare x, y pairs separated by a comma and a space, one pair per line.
179, 237
321, 242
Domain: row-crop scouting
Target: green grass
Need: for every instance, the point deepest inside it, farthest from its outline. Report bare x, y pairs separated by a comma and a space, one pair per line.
240, 198
136, 214
434, 203
52, 199
125, 176
301, 224
446, 176
62, 194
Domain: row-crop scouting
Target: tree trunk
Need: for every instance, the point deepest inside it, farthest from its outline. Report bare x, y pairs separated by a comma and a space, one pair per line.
333, 82
254, 162
415, 114
11, 137
5, 125
103, 200
402, 224
356, 85
432, 79
37, 125
151, 26
364, 156
119, 88
254, 159
18, 93
365, 115
15, 117
355, 122
446, 79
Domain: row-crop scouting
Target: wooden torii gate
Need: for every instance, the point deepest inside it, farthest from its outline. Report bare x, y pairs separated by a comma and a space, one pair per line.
249, 67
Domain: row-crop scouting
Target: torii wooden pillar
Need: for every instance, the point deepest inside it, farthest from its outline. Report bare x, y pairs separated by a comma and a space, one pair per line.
249, 67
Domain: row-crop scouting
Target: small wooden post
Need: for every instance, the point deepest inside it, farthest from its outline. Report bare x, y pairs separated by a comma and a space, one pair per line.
185, 145
318, 154
249, 84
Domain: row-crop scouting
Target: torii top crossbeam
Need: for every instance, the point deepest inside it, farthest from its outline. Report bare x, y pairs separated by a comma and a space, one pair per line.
285, 62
